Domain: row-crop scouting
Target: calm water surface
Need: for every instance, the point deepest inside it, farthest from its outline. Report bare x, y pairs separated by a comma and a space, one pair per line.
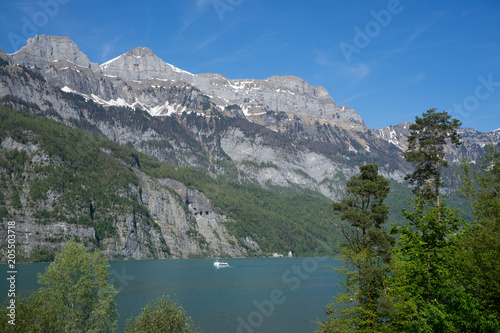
252, 295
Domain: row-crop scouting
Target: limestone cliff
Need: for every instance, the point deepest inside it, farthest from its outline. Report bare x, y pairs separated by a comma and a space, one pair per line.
145, 218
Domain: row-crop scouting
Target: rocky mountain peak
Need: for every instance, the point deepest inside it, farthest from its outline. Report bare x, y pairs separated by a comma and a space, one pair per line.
297, 85
288, 96
140, 64
41, 48
140, 52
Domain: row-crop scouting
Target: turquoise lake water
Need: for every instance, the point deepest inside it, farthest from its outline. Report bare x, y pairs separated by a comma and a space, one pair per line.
252, 295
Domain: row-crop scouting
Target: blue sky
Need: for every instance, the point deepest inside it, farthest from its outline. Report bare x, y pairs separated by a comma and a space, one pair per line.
389, 60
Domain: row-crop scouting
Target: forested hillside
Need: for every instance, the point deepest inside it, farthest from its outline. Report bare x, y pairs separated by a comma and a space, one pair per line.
51, 173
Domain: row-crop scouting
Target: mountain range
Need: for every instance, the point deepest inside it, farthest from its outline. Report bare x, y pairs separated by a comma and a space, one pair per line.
277, 134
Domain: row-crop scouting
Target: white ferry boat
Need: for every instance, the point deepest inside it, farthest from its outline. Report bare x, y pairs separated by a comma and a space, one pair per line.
220, 264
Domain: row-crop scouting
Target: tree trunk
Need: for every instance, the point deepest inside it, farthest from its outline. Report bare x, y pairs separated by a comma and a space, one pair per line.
436, 182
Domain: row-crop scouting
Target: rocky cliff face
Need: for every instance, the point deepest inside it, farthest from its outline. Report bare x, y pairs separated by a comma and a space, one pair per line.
3, 55
184, 223
41, 48
275, 132
141, 64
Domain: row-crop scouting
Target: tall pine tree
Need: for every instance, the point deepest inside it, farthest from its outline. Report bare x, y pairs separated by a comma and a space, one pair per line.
420, 287
428, 137
366, 253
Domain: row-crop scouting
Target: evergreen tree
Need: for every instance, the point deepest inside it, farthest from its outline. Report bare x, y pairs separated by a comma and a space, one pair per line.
428, 137
421, 274
366, 253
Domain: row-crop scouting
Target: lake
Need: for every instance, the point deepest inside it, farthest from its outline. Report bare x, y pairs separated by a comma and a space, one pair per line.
252, 295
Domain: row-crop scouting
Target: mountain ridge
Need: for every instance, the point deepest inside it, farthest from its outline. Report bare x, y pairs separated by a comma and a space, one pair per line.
32, 55
140, 64
268, 137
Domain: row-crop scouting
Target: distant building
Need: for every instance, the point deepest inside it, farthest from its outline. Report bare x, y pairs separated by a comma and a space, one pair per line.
290, 254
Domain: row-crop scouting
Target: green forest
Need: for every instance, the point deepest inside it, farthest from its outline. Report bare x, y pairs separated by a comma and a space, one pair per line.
94, 176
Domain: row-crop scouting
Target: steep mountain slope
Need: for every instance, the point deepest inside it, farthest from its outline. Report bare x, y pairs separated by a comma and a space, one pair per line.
302, 115
253, 147
59, 183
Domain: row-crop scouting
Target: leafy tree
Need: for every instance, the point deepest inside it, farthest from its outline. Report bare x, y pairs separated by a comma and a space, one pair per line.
445, 276
366, 253
75, 296
420, 283
75, 286
161, 315
428, 137
30, 316
477, 258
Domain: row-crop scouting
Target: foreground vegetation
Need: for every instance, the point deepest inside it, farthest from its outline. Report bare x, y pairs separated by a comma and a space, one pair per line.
439, 272
76, 296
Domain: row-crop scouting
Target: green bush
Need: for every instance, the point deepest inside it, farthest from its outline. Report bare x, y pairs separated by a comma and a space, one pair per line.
161, 315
